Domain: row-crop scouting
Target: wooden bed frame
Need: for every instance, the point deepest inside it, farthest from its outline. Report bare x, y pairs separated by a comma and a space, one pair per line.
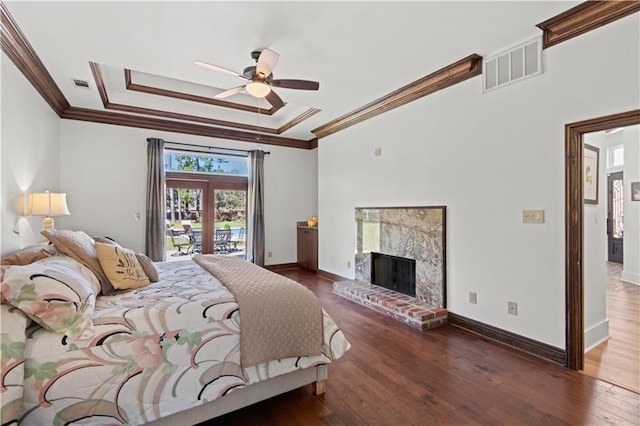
250, 395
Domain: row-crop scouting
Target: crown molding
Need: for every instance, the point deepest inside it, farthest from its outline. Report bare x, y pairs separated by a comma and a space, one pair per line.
99, 80
461, 70
128, 120
130, 85
583, 18
19, 50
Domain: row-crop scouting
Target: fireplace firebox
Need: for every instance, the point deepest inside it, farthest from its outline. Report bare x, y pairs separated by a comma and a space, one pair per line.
393, 272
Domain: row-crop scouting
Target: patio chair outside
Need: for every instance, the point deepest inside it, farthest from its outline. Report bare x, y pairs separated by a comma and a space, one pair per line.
186, 224
179, 240
222, 240
196, 240
236, 239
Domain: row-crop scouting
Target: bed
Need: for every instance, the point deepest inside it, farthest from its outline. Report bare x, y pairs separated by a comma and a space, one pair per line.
173, 351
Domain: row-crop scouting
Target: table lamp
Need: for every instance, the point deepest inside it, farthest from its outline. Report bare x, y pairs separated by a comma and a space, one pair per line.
47, 204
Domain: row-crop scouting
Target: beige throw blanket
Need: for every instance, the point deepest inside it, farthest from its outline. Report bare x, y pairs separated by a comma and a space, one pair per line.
279, 318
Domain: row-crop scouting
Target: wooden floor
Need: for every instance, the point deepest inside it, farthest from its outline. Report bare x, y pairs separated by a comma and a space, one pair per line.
618, 359
397, 375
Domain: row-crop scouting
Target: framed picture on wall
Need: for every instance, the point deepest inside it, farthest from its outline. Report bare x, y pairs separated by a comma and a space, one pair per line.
635, 191
590, 163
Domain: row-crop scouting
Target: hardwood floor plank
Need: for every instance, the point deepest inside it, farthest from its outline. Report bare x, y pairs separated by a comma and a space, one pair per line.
397, 375
617, 360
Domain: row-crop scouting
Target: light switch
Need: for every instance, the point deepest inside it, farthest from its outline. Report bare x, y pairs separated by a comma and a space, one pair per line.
532, 216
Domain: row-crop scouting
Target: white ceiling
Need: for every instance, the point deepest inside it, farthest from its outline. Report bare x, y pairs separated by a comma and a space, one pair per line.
358, 51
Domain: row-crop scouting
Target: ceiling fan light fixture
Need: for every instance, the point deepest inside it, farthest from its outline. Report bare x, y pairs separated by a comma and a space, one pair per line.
258, 89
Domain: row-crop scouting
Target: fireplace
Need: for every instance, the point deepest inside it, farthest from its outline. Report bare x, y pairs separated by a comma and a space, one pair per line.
417, 233
394, 272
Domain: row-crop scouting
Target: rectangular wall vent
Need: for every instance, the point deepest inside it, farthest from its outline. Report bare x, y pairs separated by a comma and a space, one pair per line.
84, 84
515, 64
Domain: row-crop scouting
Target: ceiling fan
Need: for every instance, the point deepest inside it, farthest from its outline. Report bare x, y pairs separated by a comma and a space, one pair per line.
261, 79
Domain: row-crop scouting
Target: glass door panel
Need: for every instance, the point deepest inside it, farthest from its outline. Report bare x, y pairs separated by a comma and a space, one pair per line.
230, 221
184, 219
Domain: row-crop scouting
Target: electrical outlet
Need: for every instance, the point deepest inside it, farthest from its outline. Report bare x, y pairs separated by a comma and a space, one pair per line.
269, 254
348, 264
473, 297
377, 152
512, 308
532, 216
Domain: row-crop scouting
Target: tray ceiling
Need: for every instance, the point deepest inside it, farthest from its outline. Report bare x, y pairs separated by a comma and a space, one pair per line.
138, 56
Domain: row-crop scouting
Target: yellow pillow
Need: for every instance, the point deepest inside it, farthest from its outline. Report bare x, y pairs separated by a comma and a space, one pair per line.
121, 266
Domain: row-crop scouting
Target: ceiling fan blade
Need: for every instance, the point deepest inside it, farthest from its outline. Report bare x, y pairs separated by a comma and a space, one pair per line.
219, 69
229, 92
274, 100
296, 84
267, 62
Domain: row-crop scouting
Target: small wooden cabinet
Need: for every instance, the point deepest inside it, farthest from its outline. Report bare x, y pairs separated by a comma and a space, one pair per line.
307, 246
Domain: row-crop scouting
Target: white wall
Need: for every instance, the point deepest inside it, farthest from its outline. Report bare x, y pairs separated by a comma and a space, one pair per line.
596, 324
631, 242
486, 157
30, 156
104, 172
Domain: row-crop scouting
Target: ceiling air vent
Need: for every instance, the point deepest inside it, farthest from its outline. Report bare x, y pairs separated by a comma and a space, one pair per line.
515, 64
83, 84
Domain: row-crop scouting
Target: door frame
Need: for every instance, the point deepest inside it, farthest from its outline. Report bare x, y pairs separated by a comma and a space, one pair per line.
574, 279
209, 183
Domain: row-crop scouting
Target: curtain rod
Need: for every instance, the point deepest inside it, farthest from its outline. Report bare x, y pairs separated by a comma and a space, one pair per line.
208, 148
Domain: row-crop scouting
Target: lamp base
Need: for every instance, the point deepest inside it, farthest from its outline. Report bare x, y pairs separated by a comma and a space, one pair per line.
47, 223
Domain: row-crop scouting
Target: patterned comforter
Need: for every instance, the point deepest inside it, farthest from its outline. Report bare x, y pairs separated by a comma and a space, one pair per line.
157, 350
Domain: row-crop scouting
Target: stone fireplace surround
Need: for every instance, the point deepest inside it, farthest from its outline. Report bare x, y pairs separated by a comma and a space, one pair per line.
411, 232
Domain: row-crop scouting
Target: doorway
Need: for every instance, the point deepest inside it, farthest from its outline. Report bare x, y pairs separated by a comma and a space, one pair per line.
574, 294
202, 203
615, 217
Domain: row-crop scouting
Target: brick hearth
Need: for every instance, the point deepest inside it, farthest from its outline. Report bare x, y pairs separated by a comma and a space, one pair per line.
404, 308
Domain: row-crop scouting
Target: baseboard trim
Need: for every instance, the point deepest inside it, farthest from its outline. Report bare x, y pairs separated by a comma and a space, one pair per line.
330, 276
281, 266
630, 277
595, 335
530, 346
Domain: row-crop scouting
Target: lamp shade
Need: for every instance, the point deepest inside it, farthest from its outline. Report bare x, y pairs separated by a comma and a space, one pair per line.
47, 204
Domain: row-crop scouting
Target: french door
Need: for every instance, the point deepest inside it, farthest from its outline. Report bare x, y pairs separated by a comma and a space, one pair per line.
212, 199
615, 218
